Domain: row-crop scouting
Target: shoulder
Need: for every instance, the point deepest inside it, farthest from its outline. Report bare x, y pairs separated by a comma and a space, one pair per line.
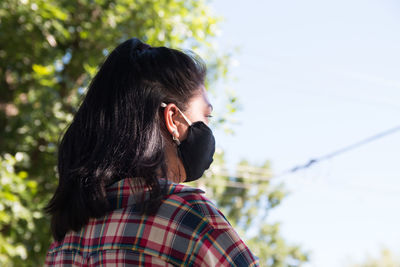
194, 200
217, 243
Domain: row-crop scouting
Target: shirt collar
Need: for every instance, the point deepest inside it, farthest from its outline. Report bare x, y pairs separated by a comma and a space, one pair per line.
126, 192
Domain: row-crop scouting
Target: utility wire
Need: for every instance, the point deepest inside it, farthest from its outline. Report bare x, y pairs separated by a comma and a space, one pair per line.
342, 150
263, 174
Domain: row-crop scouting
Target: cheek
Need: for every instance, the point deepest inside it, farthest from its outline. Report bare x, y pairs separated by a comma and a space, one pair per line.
197, 115
183, 130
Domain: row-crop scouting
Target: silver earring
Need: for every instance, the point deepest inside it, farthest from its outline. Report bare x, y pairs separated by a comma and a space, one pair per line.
176, 140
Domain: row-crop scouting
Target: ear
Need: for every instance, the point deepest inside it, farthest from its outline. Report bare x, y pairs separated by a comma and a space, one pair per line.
171, 119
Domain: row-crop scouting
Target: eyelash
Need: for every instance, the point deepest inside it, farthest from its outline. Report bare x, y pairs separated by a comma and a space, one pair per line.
209, 116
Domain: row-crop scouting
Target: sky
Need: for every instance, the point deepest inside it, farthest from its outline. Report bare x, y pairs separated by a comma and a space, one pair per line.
313, 77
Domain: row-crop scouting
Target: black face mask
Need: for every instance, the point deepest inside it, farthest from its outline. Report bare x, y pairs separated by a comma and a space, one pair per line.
197, 150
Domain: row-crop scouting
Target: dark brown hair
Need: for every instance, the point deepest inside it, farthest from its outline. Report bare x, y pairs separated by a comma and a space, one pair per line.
116, 132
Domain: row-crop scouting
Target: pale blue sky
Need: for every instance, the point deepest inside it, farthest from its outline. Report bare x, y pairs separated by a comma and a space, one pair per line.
315, 76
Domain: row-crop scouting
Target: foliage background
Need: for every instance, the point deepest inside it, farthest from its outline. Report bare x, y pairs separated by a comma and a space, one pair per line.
49, 50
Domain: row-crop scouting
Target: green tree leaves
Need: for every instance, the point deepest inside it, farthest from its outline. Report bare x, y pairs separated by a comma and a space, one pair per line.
17, 211
49, 50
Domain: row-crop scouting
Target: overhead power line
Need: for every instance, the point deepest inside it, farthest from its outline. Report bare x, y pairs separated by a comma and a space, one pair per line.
263, 174
343, 150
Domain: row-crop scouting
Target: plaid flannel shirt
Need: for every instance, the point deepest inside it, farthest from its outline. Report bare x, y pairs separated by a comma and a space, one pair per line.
188, 230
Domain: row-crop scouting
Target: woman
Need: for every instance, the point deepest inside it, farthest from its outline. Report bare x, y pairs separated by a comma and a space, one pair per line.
140, 131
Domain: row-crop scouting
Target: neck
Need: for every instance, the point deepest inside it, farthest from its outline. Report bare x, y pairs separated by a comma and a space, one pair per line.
175, 170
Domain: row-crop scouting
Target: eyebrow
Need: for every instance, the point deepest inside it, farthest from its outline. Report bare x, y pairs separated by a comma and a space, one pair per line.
211, 106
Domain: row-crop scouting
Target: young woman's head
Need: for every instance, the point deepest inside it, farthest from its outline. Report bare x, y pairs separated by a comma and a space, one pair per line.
127, 126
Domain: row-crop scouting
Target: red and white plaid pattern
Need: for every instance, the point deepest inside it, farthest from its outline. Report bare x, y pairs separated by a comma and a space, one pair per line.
188, 230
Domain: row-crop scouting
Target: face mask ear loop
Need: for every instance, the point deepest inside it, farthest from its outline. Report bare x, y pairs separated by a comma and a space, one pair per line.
183, 115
